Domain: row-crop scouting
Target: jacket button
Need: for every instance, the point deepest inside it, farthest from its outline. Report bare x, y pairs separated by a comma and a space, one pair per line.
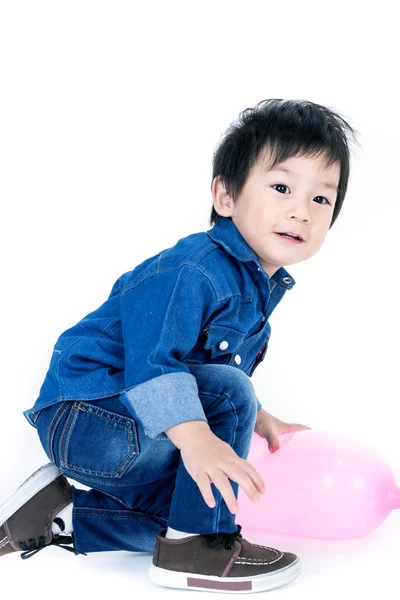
237, 359
287, 280
223, 345
263, 319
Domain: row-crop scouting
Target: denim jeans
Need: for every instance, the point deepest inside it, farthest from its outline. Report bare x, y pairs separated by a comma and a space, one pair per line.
139, 484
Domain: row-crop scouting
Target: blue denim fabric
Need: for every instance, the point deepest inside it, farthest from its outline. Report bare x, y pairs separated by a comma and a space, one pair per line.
139, 484
206, 300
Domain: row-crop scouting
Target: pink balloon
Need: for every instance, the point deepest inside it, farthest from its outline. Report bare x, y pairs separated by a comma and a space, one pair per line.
319, 485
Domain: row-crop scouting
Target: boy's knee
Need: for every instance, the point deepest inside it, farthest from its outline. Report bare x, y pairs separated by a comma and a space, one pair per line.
241, 392
233, 387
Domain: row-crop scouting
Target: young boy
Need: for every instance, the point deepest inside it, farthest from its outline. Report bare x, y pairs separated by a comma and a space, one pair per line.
148, 399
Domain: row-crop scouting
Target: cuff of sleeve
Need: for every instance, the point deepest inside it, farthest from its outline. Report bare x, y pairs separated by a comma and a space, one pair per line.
163, 402
259, 405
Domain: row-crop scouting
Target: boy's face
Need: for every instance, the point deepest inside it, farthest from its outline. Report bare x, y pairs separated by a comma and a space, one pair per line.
275, 201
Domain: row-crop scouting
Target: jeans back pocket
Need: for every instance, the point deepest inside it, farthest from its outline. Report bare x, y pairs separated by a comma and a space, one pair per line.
97, 441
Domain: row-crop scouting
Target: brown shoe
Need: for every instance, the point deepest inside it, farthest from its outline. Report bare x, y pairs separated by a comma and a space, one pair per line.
26, 518
220, 563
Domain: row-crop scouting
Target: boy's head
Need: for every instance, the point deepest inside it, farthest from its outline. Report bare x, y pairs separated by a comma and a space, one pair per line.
249, 186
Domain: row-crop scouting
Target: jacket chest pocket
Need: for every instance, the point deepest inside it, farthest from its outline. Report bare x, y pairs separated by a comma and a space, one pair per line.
222, 341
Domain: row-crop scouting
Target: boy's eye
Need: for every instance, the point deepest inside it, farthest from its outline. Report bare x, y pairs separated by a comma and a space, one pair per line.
280, 185
285, 186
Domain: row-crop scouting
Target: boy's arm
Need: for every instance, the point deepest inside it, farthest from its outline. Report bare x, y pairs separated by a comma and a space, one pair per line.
182, 435
161, 318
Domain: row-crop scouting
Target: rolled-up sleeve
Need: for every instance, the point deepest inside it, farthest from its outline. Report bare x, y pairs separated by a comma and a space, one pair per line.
162, 316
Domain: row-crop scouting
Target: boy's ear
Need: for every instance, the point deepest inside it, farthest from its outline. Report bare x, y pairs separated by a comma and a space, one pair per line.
223, 203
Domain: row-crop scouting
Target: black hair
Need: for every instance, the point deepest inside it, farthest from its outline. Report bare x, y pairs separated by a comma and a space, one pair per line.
288, 128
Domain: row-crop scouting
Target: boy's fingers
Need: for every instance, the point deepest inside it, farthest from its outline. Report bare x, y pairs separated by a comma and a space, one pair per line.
240, 475
291, 427
223, 485
254, 476
203, 483
273, 442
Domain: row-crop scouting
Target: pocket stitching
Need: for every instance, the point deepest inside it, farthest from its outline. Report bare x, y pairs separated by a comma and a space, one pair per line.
129, 428
52, 429
124, 421
71, 418
216, 335
121, 420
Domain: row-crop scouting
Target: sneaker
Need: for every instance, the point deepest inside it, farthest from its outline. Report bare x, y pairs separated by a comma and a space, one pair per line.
26, 518
220, 563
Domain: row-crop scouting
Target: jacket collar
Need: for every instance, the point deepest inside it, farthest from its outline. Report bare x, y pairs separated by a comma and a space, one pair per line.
226, 234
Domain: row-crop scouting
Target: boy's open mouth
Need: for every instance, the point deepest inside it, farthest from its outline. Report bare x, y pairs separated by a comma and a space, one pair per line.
290, 237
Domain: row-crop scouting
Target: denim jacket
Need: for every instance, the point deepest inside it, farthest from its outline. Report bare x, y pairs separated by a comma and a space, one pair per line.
205, 300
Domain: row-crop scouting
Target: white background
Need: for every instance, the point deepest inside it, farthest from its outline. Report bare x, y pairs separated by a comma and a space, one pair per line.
109, 115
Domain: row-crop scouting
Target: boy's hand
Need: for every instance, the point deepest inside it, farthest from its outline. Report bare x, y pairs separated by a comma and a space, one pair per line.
208, 459
269, 427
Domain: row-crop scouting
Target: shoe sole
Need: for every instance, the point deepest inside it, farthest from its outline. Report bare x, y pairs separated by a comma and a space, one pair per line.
31, 486
233, 585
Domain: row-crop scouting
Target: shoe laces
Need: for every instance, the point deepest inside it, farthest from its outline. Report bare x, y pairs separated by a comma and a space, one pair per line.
32, 546
226, 540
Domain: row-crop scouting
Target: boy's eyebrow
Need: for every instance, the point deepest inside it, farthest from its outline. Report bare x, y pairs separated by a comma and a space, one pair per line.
326, 184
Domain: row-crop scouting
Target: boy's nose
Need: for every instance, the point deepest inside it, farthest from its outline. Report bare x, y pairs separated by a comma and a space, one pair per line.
300, 212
